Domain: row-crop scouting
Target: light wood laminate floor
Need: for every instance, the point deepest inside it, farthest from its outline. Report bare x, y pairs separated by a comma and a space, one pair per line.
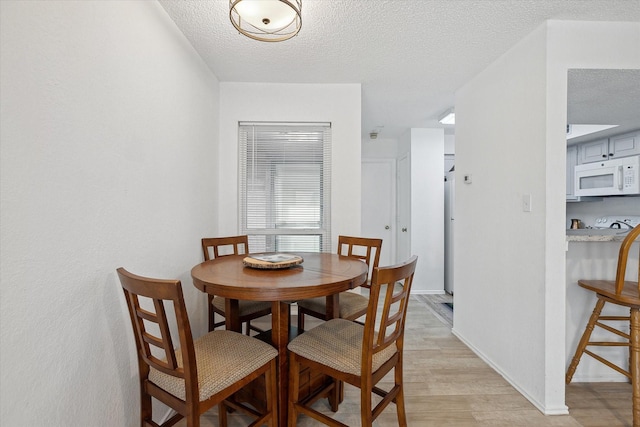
446, 384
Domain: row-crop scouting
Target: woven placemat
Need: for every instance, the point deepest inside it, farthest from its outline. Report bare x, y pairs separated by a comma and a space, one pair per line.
272, 261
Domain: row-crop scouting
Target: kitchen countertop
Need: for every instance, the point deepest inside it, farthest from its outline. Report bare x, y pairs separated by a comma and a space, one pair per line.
596, 235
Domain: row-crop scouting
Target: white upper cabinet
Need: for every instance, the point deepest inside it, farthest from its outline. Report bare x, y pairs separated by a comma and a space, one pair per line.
624, 145
609, 148
593, 151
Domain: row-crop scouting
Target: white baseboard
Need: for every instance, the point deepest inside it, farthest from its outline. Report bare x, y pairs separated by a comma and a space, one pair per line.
614, 377
427, 292
559, 410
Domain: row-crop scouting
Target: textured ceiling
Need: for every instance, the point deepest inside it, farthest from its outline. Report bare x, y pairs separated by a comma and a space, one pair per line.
410, 56
604, 97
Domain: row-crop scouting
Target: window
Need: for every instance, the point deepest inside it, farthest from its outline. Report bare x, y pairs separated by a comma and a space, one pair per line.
285, 186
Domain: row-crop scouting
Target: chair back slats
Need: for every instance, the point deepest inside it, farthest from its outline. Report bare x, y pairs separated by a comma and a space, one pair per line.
146, 315
152, 329
165, 345
153, 340
216, 247
363, 248
396, 281
623, 256
165, 342
221, 246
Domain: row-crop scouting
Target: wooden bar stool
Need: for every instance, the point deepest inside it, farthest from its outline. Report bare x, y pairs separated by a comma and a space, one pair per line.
626, 294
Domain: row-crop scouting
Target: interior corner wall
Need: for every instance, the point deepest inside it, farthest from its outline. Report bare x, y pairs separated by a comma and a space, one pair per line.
510, 264
339, 104
108, 137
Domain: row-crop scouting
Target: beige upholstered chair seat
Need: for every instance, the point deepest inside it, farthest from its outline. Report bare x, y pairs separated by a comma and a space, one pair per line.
246, 307
350, 304
337, 343
223, 358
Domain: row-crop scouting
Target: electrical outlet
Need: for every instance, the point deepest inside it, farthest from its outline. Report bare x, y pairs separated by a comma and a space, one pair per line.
467, 179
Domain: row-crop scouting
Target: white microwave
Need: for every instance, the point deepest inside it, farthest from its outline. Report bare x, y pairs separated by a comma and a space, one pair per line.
616, 177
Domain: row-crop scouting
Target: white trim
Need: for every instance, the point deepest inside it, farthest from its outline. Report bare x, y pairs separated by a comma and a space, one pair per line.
427, 292
559, 410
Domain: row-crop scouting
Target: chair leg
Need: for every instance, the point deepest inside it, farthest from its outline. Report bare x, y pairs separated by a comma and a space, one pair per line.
300, 320
222, 414
212, 314
402, 415
584, 340
193, 418
335, 394
634, 367
366, 414
146, 412
248, 332
294, 389
271, 385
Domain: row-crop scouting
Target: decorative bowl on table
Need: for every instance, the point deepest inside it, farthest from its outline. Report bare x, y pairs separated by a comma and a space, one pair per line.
272, 261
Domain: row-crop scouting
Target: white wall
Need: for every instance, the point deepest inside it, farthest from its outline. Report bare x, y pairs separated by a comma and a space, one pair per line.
449, 144
510, 264
581, 45
108, 137
427, 207
379, 148
499, 249
335, 103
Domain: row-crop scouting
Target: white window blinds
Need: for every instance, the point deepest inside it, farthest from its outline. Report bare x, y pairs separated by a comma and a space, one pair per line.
285, 186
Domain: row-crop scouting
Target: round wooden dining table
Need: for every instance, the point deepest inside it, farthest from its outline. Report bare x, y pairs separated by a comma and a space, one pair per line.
319, 275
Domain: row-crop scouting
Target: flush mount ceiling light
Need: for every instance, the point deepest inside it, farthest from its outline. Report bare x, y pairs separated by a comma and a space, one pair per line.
266, 20
448, 118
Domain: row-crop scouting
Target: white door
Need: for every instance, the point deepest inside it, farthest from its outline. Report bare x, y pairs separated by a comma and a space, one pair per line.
379, 205
403, 231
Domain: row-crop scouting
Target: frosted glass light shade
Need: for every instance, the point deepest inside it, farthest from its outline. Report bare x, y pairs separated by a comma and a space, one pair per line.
266, 20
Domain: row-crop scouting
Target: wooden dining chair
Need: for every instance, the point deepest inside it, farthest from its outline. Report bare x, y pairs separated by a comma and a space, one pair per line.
357, 354
623, 293
352, 305
199, 374
214, 247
